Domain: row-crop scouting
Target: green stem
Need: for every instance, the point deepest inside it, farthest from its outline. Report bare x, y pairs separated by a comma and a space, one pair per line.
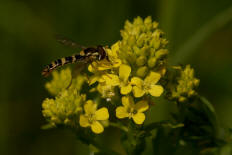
86, 139
119, 126
189, 47
167, 123
154, 125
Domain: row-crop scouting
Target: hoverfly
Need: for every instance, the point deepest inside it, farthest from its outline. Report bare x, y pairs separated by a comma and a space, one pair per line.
86, 55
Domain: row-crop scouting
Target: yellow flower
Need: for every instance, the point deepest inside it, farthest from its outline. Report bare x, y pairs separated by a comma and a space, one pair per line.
112, 62
107, 91
131, 110
92, 117
121, 80
147, 86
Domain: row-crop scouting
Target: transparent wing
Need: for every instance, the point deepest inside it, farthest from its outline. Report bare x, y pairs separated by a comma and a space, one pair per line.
68, 42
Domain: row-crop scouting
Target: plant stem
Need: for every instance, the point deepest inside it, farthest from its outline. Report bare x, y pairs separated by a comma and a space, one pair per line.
119, 126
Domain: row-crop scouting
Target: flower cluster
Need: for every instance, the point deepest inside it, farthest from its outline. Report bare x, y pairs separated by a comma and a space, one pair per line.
126, 81
186, 84
68, 101
143, 47
134, 68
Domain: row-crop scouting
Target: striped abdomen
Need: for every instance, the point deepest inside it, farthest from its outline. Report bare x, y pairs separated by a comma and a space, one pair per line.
60, 62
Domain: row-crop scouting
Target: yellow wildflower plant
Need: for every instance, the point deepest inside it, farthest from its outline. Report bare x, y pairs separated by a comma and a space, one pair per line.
148, 85
132, 110
92, 117
134, 72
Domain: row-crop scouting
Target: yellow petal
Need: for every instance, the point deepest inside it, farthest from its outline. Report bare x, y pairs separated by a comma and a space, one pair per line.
138, 92
137, 81
139, 118
141, 106
156, 90
97, 127
127, 101
111, 79
84, 121
103, 65
90, 68
152, 78
116, 62
126, 89
93, 79
121, 112
102, 114
90, 107
124, 72
115, 48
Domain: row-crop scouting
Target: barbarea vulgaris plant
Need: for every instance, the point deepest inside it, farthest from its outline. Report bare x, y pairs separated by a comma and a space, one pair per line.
119, 91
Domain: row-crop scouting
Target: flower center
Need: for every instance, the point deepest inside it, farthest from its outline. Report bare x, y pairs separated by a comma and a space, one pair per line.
91, 118
131, 112
146, 86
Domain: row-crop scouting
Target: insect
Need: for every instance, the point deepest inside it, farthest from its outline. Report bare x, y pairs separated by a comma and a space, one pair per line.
87, 55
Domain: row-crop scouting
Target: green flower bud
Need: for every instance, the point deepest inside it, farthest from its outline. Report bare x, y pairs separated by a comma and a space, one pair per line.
156, 43
136, 50
138, 21
155, 25
141, 40
152, 62
141, 61
142, 71
160, 53
131, 40
148, 20
148, 23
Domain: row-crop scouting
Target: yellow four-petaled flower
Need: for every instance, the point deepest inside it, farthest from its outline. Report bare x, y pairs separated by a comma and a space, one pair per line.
148, 85
132, 110
92, 117
121, 80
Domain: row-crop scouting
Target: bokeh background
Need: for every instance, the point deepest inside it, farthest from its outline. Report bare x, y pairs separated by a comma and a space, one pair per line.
199, 33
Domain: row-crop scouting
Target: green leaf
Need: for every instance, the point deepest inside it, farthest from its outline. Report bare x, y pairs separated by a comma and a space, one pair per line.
210, 112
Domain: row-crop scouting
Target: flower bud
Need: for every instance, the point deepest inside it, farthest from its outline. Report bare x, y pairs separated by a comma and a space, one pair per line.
131, 40
160, 53
141, 61
152, 62
142, 71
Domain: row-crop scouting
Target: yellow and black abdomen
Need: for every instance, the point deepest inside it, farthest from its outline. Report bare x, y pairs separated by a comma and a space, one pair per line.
61, 62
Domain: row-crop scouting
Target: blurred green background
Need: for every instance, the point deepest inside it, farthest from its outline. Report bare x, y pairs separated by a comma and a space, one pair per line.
199, 33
